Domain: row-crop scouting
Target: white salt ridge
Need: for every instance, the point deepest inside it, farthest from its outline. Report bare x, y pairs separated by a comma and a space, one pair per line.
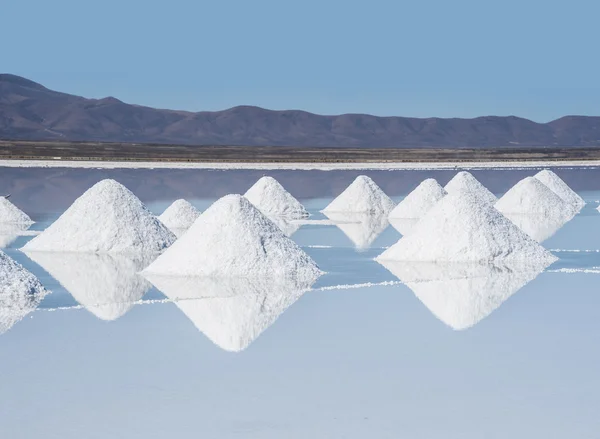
560, 188
9, 213
361, 228
106, 285
465, 182
271, 198
107, 218
461, 295
362, 196
231, 312
420, 200
179, 216
233, 238
20, 292
463, 228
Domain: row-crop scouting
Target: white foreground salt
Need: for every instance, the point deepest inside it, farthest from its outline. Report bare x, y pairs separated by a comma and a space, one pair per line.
463, 228
107, 218
20, 292
461, 295
361, 228
271, 198
179, 216
9, 213
362, 196
104, 284
558, 186
418, 202
465, 182
233, 238
232, 312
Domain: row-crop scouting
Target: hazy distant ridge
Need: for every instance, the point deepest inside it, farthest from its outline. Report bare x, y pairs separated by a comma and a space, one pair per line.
30, 111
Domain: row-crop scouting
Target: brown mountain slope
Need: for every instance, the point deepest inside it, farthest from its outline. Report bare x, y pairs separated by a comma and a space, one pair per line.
30, 111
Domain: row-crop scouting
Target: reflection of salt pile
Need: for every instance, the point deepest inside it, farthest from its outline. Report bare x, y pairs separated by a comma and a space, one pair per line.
106, 218
20, 292
461, 295
465, 182
231, 312
287, 225
535, 209
560, 188
106, 285
362, 228
233, 238
179, 216
463, 228
271, 198
419, 201
9, 213
9, 232
362, 196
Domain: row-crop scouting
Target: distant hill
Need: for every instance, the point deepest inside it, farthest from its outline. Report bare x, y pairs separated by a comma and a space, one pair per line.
30, 111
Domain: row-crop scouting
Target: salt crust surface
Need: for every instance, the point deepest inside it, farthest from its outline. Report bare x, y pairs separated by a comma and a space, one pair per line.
107, 218
461, 295
107, 285
179, 216
271, 198
465, 182
362, 196
9, 213
531, 196
20, 292
233, 238
420, 200
558, 186
231, 312
361, 228
463, 228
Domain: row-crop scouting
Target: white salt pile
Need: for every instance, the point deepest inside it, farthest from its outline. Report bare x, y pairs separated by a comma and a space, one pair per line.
179, 216
9, 232
20, 292
231, 312
233, 238
107, 218
287, 225
270, 197
560, 188
465, 182
404, 225
107, 285
362, 196
461, 295
361, 228
463, 228
420, 200
9, 213
531, 196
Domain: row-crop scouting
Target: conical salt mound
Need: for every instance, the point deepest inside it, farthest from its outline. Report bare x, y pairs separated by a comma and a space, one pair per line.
20, 292
9, 213
463, 228
231, 312
107, 285
560, 188
271, 198
179, 216
465, 182
107, 218
419, 201
531, 196
362, 196
233, 238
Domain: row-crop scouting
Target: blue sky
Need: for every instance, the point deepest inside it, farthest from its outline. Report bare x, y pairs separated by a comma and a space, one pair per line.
463, 58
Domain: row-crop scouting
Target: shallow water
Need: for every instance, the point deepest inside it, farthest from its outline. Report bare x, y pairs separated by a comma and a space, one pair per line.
359, 355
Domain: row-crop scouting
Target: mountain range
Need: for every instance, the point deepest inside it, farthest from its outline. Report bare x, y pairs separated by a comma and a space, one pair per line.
30, 111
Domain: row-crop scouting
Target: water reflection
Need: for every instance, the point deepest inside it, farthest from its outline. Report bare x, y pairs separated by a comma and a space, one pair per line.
106, 285
403, 225
361, 228
540, 227
231, 312
461, 295
286, 224
9, 232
